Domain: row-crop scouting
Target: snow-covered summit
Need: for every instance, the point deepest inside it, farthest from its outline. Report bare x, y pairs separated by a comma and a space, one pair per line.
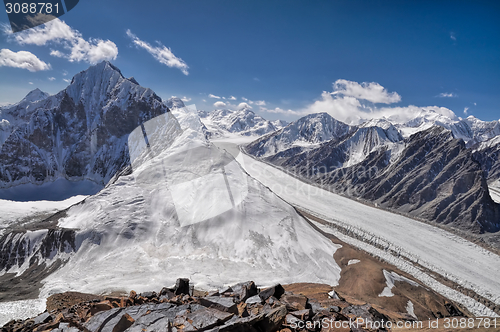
77, 134
186, 208
305, 132
244, 122
471, 129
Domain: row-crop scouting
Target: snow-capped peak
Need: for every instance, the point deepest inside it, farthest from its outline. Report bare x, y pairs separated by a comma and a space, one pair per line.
244, 122
35, 95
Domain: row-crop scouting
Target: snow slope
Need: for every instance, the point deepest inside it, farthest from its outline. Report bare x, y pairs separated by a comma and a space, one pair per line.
438, 250
20, 310
495, 191
471, 129
221, 123
14, 212
186, 210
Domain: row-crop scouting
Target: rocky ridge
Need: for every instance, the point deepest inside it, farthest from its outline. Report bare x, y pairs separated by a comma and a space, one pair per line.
430, 175
242, 307
79, 133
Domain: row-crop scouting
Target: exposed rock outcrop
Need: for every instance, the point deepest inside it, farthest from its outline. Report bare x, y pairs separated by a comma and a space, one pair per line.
268, 310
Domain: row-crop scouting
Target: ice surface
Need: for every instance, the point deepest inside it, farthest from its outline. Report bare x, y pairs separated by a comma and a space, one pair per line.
12, 212
459, 260
153, 226
20, 309
403, 264
495, 191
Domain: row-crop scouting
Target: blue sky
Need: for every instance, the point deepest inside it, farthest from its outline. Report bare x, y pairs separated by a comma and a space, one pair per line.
281, 56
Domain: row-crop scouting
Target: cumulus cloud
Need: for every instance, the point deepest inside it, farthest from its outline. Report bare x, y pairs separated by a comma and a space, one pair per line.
66, 80
213, 96
51, 78
260, 103
23, 60
185, 99
161, 53
348, 103
244, 106
372, 92
76, 48
466, 110
232, 98
219, 104
452, 36
278, 110
447, 95
351, 110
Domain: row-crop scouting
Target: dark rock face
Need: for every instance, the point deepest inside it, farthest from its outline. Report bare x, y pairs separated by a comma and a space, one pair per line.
431, 175
184, 313
79, 133
435, 178
489, 158
17, 247
314, 128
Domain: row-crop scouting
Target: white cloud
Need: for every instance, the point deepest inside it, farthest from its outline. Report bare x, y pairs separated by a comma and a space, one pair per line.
66, 80
452, 36
51, 78
243, 98
22, 59
278, 110
352, 111
243, 106
213, 96
466, 109
65, 73
161, 53
232, 98
372, 92
31, 83
260, 103
447, 95
185, 99
57, 32
219, 104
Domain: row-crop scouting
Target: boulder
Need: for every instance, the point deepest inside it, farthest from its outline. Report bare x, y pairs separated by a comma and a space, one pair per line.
245, 290
226, 304
181, 286
276, 291
124, 323
295, 302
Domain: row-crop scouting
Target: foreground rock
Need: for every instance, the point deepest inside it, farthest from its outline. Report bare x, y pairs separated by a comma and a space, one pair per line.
242, 307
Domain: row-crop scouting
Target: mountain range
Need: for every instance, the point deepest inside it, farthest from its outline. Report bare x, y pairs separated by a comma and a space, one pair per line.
77, 134
432, 173
173, 203
165, 201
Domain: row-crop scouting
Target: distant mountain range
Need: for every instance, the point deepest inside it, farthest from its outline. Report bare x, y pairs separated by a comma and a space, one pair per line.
432, 168
245, 122
180, 205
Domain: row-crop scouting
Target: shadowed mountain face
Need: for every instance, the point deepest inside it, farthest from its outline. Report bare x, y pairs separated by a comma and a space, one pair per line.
431, 175
488, 154
79, 133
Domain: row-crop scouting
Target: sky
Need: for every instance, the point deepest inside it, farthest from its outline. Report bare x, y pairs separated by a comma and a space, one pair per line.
282, 58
